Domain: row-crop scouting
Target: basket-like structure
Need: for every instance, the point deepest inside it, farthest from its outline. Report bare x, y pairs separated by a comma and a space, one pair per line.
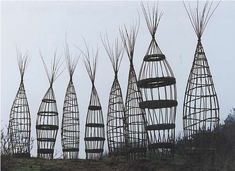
70, 120
158, 86
19, 128
94, 128
94, 132
136, 117
116, 119
47, 123
70, 124
201, 106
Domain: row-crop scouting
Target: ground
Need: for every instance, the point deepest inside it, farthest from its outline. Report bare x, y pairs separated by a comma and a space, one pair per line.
108, 164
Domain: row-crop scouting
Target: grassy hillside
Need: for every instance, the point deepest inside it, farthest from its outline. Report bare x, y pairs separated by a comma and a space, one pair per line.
108, 164
213, 151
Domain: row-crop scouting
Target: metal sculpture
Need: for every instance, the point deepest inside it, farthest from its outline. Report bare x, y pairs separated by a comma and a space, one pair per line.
47, 123
94, 130
135, 116
201, 107
116, 120
19, 128
70, 121
158, 86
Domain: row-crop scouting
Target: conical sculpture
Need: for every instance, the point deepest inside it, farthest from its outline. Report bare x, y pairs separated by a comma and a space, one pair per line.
94, 129
19, 128
70, 131
201, 106
158, 86
47, 123
116, 120
135, 116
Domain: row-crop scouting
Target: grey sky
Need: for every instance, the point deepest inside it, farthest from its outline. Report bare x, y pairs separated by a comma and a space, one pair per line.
42, 25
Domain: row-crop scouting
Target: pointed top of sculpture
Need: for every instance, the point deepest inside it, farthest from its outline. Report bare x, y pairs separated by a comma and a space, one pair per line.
129, 39
90, 64
152, 17
114, 51
55, 67
70, 61
22, 63
199, 18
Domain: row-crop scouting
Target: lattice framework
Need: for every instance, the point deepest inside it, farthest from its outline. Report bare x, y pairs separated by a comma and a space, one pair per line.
158, 86
201, 106
47, 122
94, 130
19, 128
70, 131
135, 116
116, 119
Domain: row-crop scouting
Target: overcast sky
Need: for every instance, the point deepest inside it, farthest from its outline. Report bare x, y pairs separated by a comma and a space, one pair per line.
43, 25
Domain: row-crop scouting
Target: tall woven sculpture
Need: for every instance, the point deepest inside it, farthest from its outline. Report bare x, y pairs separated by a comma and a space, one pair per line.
47, 123
116, 121
136, 117
20, 121
94, 130
201, 107
158, 86
70, 120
